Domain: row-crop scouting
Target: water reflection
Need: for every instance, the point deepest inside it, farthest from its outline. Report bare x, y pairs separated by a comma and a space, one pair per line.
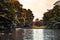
38, 34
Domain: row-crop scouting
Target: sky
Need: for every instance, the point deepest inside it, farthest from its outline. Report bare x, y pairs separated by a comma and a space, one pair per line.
38, 7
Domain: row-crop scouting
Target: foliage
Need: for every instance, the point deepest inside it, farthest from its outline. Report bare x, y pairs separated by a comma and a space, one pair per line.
26, 17
13, 11
52, 16
29, 16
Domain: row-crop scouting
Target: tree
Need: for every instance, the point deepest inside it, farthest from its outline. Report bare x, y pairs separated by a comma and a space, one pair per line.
6, 9
26, 18
13, 11
5, 24
29, 16
52, 16
10, 10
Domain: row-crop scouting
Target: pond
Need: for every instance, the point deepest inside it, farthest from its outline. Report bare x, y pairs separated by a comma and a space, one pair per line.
38, 34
